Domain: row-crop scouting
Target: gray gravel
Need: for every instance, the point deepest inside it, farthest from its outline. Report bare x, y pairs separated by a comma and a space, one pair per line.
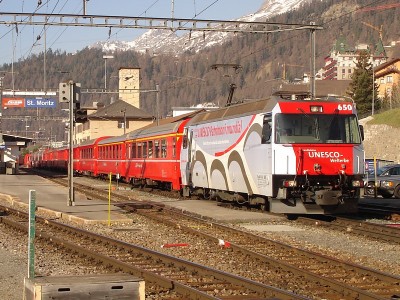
13, 266
13, 250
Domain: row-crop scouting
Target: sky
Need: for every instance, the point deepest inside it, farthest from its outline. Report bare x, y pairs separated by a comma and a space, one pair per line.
18, 43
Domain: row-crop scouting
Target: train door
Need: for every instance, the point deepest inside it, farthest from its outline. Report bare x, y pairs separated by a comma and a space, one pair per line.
185, 163
257, 153
267, 138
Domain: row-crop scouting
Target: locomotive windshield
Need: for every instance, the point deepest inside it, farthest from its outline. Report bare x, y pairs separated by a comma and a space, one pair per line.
316, 128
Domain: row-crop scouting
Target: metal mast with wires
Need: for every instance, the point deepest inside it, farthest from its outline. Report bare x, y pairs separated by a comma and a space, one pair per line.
232, 86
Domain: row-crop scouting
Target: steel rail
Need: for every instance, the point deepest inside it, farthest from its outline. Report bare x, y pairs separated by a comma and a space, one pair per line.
362, 228
164, 281
392, 281
253, 241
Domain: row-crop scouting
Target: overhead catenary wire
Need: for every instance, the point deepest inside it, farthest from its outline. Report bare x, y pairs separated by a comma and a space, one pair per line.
338, 18
271, 45
143, 13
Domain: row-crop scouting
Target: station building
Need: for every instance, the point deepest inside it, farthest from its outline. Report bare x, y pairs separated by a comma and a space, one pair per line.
10, 150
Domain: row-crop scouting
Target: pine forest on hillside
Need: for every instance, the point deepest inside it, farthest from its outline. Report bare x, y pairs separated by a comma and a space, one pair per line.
188, 79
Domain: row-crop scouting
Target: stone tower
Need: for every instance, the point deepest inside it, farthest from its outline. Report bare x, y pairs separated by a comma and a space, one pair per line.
129, 88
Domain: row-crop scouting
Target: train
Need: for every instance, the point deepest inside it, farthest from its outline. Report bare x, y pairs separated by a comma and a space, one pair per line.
282, 154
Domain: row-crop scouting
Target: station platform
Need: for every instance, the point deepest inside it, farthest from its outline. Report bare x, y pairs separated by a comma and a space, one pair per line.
53, 199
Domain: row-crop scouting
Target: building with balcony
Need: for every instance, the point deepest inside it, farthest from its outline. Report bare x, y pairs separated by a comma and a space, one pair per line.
342, 60
387, 76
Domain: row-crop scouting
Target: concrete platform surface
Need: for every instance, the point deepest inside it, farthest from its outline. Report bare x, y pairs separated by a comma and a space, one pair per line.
54, 198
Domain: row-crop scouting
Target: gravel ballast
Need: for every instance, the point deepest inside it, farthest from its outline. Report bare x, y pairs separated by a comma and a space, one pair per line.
143, 232
13, 249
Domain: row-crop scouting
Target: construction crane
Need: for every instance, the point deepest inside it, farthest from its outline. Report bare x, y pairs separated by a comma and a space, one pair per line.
380, 30
284, 69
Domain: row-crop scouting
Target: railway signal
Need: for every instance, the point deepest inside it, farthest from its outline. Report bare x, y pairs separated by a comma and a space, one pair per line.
64, 92
70, 92
80, 115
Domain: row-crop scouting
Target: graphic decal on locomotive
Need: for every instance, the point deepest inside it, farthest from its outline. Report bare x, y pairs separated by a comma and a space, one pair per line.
216, 146
209, 136
320, 160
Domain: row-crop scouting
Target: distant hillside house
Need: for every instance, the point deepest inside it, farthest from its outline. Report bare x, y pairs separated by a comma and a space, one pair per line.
115, 119
387, 75
341, 62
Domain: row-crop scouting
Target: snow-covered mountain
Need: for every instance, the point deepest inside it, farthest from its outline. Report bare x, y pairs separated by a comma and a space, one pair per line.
167, 41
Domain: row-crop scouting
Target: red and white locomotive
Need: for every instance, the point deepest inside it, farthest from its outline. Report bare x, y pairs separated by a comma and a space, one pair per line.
287, 156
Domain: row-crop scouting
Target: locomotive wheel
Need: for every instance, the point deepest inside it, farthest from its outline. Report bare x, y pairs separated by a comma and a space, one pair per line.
292, 217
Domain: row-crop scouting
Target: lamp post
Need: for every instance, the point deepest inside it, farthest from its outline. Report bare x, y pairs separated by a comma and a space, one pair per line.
1, 113
105, 69
124, 112
373, 88
26, 126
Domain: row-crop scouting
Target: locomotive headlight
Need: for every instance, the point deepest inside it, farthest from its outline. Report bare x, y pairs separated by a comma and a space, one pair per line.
387, 184
357, 183
289, 183
316, 109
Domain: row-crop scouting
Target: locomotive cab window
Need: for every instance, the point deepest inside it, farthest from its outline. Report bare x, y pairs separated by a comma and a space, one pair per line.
266, 130
185, 138
316, 128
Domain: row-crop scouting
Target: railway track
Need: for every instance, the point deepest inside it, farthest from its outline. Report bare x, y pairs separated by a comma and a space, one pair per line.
374, 209
338, 277
358, 227
187, 279
335, 279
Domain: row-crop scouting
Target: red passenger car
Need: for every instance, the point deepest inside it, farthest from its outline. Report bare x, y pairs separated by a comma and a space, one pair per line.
145, 157
60, 159
85, 157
